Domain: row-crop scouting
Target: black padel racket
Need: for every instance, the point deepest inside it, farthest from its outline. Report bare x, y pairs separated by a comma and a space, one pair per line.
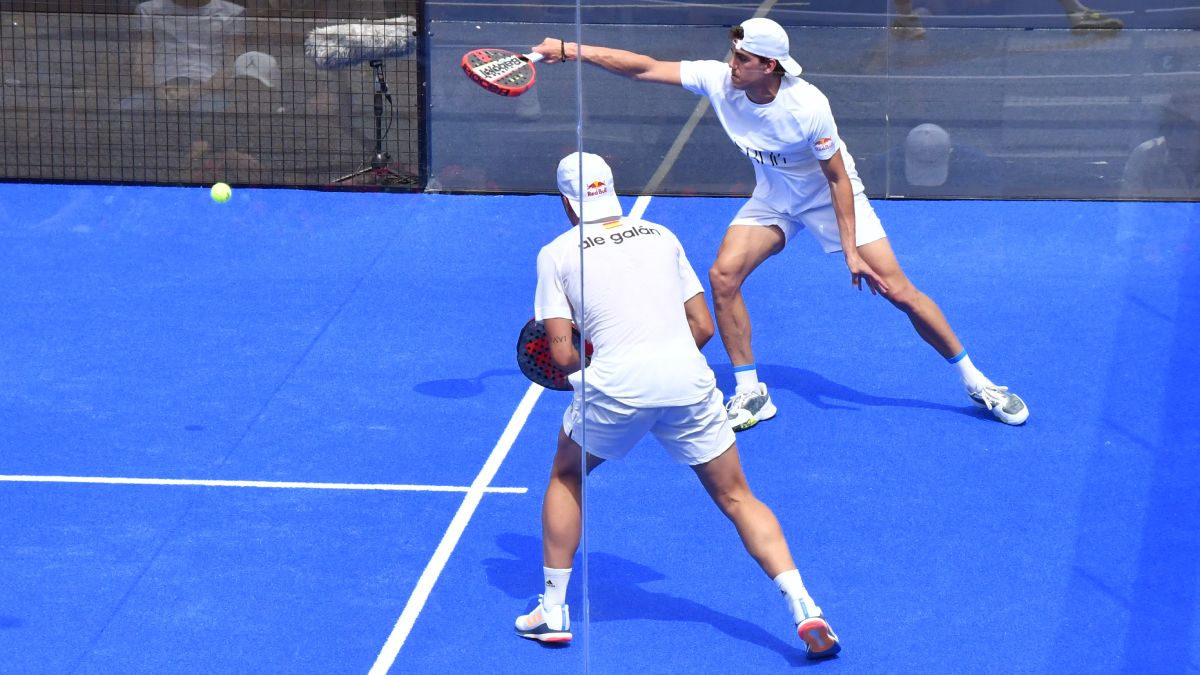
501, 71
533, 357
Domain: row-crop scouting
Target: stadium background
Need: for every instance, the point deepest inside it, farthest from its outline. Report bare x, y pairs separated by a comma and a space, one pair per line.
1048, 113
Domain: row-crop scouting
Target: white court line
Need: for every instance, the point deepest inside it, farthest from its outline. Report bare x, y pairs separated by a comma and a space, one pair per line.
639, 206
416, 601
293, 485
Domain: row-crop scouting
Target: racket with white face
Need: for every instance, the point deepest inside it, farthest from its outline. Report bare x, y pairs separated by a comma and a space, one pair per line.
501, 71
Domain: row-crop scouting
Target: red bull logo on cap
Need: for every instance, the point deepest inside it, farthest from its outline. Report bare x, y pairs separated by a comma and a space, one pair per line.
596, 188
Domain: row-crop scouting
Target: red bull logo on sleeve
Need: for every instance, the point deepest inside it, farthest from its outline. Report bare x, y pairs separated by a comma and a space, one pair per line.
824, 143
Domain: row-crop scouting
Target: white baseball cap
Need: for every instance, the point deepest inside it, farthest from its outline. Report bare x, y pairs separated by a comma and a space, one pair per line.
587, 182
259, 65
765, 38
927, 155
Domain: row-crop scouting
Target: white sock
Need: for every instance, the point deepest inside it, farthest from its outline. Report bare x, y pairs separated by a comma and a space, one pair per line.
971, 378
792, 587
555, 592
746, 377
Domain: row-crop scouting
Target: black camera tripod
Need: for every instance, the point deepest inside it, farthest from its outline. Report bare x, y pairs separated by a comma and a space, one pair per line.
380, 164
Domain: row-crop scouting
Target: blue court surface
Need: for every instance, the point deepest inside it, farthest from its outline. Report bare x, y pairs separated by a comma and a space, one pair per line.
288, 434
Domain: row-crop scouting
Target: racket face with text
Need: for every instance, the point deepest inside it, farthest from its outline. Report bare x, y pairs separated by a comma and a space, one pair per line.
535, 362
500, 71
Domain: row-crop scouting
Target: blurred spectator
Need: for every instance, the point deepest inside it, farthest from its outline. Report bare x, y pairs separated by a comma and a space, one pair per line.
255, 84
906, 23
242, 143
1168, 165
929, 164
186, 51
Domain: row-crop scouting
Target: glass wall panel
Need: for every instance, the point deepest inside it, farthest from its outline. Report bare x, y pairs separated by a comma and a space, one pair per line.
1035, 99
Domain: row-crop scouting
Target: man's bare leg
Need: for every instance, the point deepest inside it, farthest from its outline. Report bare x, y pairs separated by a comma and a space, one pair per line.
562, 510
763, 538
743, 249
927, 318
922, 311
562, 527
761, 534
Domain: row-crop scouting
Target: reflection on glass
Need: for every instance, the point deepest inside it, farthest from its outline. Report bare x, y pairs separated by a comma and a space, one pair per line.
907, 22
187, 50
929, 163
1168, 165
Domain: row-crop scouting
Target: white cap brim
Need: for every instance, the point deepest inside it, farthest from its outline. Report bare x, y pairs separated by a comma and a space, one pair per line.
789, 65
607, 207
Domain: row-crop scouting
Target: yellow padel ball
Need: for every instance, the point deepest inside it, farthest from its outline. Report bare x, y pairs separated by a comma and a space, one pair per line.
221, 192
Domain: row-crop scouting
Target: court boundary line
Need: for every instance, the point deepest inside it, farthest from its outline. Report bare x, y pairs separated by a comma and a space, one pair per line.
458, 525
266, 484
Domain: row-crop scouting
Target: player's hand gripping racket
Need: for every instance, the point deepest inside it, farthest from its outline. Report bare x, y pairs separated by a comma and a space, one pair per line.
501, 71
533, 357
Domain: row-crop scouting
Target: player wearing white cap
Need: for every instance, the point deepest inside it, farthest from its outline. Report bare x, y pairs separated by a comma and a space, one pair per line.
646, 317
805, 181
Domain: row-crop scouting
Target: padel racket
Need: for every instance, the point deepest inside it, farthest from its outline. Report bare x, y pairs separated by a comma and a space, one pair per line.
535, 362
501, 71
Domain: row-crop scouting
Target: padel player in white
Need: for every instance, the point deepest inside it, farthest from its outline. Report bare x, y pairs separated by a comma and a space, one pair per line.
645, 314
805, 180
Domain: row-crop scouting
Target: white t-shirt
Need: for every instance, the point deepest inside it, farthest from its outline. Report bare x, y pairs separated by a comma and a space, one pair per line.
636, 279
783, 138
190, 41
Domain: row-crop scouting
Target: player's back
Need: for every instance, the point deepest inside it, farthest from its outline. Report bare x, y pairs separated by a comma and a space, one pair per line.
636, 278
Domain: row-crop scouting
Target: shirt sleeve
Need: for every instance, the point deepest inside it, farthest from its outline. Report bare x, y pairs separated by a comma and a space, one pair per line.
822, 133
702, 77
691, 283
550, 300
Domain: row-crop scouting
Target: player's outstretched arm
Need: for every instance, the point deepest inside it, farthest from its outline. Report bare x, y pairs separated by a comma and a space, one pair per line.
624, 63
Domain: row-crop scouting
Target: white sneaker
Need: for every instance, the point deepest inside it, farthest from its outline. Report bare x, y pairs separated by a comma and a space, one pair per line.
545, 624
1007, 407
750, 407
820, 642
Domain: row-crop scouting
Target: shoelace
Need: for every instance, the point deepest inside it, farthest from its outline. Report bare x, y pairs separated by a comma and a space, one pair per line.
739, 400
993, 395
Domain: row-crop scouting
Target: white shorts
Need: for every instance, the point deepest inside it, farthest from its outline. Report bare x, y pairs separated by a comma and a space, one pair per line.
692, 434
821, 222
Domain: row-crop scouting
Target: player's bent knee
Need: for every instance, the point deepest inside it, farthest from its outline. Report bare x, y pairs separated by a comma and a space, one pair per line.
724, 282
904, 296
731, 501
